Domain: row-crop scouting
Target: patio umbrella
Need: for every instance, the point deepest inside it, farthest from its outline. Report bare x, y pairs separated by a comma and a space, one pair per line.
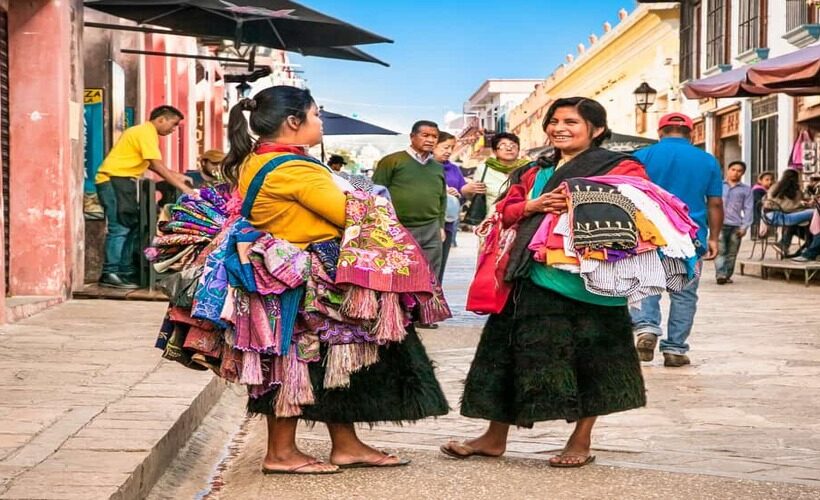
347, 53
336, 124
278, 24
626, 143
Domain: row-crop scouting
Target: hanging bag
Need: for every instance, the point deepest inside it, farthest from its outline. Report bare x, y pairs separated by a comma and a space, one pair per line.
477, 206
489, 292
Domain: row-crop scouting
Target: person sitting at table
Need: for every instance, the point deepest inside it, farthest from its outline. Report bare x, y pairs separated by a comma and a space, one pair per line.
784, 206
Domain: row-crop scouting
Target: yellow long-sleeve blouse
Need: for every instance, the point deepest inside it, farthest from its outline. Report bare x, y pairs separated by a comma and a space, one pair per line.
298, 202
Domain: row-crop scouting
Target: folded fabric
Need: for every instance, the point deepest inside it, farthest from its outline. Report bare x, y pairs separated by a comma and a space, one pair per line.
678, 244
635, 278
601, 216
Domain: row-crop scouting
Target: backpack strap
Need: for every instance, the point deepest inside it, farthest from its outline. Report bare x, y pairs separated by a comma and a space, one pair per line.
259, 179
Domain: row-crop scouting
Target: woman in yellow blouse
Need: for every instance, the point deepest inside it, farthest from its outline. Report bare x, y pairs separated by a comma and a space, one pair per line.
303, 202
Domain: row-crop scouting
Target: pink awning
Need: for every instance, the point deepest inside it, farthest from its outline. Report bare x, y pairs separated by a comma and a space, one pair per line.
732, 83
799, 69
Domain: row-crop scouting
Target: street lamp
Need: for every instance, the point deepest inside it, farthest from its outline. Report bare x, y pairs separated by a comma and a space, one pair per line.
644, 96
243, 90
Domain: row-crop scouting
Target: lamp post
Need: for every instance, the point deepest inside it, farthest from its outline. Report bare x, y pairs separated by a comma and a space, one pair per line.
243, 90
644, 96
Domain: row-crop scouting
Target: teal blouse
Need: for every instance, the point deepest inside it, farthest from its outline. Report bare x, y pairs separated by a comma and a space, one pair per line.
564, 282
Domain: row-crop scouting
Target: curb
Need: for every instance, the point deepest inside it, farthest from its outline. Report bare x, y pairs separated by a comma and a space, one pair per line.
145, 476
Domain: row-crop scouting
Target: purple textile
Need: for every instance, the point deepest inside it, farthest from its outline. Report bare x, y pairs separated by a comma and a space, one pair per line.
454, 179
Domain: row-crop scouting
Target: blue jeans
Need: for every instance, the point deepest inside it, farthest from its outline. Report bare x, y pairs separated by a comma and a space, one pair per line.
682, 310
728, 246
119, 239
779, 218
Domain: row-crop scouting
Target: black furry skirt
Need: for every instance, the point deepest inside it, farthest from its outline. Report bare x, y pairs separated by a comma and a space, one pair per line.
401, 387
548, 357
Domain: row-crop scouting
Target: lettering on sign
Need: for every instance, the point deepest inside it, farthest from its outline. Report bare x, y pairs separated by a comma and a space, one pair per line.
200, 127
93, 96
729, 124
699, 132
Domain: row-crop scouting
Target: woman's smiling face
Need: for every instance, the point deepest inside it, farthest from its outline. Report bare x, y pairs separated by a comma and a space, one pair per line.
569, 132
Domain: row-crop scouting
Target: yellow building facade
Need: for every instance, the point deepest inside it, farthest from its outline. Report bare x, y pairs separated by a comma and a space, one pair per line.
642, 47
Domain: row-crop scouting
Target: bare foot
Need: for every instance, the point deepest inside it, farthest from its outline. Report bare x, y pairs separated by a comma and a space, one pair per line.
306, 464
362, 454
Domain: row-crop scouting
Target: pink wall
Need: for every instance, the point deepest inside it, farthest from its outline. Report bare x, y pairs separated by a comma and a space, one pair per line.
45, 116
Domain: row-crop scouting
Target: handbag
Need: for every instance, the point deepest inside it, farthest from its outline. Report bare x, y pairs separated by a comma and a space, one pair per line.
489, 292
477, 206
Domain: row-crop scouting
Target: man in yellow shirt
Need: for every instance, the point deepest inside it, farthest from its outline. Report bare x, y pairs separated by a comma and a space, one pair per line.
136, 151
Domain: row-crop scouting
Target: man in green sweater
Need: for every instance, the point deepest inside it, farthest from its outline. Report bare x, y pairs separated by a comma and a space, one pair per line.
416, 184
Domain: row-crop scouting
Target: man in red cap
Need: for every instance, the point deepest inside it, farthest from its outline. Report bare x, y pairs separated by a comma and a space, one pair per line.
694, 176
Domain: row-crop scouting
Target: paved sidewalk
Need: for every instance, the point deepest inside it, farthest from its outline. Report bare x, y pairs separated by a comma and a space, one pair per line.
746, 408
87, 407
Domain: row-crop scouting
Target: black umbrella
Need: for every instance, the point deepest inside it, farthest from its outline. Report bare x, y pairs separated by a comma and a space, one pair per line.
347, 53
336, 124
626, 143
278, 24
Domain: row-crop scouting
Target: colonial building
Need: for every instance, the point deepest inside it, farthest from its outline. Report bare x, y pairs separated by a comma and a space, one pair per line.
719, 41
641, 49
486, 113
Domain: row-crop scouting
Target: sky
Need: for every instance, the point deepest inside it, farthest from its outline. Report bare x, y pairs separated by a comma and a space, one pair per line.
444, 50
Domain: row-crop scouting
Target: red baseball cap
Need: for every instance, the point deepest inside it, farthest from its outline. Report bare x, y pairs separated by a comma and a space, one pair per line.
675, 119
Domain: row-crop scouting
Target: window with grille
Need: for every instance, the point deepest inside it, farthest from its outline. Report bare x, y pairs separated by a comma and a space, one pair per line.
716, 36
689, 40
798, 13
752, 26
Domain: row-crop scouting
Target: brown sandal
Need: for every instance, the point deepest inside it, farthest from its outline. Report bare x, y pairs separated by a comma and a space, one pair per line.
588, 459
298, 469
461, 450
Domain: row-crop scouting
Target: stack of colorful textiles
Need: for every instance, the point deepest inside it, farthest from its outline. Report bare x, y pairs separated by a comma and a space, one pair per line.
187, 227
263, 308
624, 235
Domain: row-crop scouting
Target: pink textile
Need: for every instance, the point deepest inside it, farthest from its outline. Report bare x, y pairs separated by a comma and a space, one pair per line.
255, 321
671, 205
377, 252
814, 227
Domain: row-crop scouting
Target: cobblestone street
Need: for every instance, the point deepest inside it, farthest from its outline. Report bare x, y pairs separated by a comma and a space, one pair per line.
744, 410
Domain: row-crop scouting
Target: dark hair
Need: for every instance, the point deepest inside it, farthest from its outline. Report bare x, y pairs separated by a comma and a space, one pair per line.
767, 173
497, 138
590, 110
422, 123
165, 110
444, 136
737, 162
268, 111
788, 187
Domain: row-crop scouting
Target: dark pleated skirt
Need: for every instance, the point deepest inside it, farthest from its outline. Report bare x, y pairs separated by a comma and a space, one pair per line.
401, 387
548, 357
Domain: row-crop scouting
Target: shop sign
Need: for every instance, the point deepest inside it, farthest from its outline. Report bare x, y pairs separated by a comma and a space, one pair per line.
94, 135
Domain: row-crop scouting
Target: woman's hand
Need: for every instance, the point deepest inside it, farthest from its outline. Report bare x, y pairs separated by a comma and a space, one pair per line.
473, 188
553, 202
453, 192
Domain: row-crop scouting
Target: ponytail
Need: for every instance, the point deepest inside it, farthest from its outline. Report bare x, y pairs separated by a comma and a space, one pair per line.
240, 140
268, 111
